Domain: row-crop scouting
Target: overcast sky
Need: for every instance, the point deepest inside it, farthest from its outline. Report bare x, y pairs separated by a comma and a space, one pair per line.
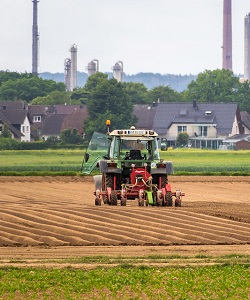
160, 36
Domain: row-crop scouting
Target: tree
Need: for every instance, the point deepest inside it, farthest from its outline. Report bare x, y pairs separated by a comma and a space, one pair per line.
6, 133
137, 92
107, 100
213, 86
55, 97
163, 93
182, 139
70, 136
28, 88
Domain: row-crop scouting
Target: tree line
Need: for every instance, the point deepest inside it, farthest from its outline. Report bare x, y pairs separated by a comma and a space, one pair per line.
108, 99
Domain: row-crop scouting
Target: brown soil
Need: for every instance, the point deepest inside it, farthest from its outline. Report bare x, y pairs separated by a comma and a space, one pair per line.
55, 217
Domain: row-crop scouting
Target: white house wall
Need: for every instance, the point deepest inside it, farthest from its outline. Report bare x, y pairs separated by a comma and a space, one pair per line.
191, 130
25, 130
235, 127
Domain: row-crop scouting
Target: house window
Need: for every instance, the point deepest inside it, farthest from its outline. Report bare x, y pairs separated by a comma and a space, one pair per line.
23, 129
27, 129
182, 129
202, 130
37, 119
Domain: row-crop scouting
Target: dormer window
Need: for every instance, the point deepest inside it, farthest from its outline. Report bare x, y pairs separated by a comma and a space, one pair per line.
208, 113
37, 119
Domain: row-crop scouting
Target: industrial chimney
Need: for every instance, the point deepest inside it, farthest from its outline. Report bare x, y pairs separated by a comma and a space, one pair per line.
247, 48
67, 73
227, 36
73, 72
35, 38
118, 71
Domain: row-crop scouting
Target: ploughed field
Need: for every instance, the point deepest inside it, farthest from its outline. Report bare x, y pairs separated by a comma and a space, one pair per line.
60, 211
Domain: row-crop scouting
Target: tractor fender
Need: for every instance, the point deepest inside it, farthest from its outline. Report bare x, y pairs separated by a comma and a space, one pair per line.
98, 182
103, 166
169, 167
168, 187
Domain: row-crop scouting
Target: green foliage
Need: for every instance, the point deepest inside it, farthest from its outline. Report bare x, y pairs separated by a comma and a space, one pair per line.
107, 100
7, 75
219, 86
28, 88
55, 97
182, 139
136, 91
126, 282
5, 132
163, 94
70, 136
8, 143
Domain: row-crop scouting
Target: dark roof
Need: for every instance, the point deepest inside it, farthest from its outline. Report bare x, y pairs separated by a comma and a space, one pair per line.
13, 105
53, 125
15, 131
63, 109
76, 119
221, 114
145, 114
245, 117
15, 116
38, 110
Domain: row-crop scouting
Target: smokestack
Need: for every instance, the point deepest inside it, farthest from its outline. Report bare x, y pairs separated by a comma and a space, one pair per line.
227, 36
73, 73
35, 38
247, 48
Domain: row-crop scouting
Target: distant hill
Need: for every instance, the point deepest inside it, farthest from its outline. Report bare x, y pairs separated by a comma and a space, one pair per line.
150, 80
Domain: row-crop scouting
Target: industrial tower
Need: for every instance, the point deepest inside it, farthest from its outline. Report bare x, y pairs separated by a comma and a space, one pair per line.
227, 36
247, 48
73, 73
93, 67
35, 38
118, 71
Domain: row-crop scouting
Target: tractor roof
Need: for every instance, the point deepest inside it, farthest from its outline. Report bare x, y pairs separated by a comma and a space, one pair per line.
134, 133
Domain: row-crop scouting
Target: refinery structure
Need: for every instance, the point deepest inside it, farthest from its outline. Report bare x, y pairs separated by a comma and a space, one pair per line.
70, 64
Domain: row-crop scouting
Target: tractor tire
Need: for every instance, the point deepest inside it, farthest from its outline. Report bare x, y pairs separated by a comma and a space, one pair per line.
113, 198
169, 199
109, 181
177, 203
98, 201
123, 201
164, 180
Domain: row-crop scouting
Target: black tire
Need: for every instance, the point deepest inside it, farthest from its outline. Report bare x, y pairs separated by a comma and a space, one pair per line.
98, 201
113, 198
177, 203
164, 180
169, 199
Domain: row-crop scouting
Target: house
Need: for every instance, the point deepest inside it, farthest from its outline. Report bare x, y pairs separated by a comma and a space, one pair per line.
207, 124
51, 120
245, 117
15, 115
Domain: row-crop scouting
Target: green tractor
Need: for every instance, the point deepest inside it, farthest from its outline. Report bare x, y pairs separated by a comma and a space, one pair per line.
131, 169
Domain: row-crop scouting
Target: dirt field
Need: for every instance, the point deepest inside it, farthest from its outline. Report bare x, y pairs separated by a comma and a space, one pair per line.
55, 217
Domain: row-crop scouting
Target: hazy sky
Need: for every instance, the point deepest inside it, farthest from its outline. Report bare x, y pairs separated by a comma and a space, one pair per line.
160, 36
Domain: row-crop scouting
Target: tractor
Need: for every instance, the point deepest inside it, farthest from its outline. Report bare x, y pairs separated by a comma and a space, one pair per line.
130, 167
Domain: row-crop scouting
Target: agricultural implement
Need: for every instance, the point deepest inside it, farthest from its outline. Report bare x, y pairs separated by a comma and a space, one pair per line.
131, 169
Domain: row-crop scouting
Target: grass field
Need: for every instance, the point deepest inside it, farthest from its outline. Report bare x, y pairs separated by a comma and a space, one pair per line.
69, 162
226, 278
